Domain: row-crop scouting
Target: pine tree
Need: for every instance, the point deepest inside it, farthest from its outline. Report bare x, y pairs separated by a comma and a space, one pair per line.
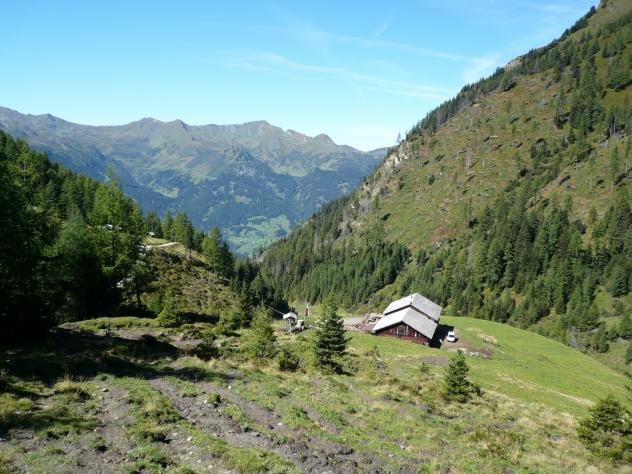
182, 231
625, 326
456, 385
600, 340
152, 224
217, 253
244, 313
170, 316
261, 343
167, 226
618, 283
77, 271
607, 430
330, 342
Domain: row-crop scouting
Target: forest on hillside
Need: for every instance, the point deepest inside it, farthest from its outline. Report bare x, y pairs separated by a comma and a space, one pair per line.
523, 256
73, 248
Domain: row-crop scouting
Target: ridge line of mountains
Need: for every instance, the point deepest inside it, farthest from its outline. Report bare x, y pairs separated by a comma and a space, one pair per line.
253, 180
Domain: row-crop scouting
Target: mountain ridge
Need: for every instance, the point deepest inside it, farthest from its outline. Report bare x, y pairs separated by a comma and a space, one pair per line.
200, 169
488, 203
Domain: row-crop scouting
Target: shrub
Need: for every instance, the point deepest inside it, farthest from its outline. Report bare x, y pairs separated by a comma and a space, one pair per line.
288, 360
206, 350
154, 304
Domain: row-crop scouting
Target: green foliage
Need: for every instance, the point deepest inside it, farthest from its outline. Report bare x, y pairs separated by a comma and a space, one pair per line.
608, 430
628, 353
217, 253
170, 316
68, 243
289, 361
600, 340
330, 341
625, 326
456, 385
260, 344
618, 283
307, 265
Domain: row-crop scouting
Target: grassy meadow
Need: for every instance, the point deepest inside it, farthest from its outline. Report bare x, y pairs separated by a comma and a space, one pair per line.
133, 397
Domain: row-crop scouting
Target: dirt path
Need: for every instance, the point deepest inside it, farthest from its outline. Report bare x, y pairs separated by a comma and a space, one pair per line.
161, 246
115, 417
306, 453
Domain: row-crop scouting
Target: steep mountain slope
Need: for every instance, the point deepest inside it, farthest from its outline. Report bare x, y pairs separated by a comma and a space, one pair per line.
253, 180
511, 199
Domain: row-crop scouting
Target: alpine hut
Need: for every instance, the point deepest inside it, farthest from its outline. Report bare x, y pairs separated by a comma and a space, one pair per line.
290, 320
413, 318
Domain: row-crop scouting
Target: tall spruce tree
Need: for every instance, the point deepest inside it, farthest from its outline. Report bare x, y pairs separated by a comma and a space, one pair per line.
330, 342
217, 253
456, 384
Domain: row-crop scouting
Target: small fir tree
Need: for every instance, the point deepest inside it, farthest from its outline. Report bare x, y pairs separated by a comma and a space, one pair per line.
261, 343
170, 316
243, 315
600, 340
607, 430
330, 343
288, 360
456, 385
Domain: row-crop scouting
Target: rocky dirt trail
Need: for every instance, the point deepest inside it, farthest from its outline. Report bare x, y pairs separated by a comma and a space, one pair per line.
306, 453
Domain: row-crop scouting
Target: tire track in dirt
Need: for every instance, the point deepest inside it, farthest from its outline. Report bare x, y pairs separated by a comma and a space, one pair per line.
306, 453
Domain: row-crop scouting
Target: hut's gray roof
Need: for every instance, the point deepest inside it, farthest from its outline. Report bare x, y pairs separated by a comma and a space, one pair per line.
419, 322
418, 302
290, 315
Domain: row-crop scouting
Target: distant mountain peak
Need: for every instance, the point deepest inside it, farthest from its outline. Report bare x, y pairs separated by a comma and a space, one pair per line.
324, 139
224, 175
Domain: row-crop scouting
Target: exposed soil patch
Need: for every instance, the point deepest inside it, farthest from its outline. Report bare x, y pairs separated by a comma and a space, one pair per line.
306, 453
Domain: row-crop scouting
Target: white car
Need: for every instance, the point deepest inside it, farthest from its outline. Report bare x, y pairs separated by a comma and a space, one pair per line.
451, 337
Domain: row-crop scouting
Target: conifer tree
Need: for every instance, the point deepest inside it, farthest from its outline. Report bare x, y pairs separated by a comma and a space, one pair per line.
618, 284
607, 430
167, 226
170, 316
600, 340
625, 326
456, 385
261, 343
217, 253
330, 342
245, 309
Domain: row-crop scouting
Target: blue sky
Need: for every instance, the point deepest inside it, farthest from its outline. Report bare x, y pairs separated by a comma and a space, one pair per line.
360, 71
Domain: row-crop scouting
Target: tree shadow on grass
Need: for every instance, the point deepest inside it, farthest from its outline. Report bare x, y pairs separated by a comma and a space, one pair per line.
79, 355
83, 354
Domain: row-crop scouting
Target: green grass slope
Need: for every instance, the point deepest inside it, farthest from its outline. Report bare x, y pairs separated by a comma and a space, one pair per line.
120, 393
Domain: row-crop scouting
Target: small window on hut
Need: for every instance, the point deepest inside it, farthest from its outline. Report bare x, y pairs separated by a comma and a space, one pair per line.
401, 330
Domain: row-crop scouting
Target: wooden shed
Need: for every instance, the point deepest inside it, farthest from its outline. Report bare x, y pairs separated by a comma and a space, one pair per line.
413, 318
